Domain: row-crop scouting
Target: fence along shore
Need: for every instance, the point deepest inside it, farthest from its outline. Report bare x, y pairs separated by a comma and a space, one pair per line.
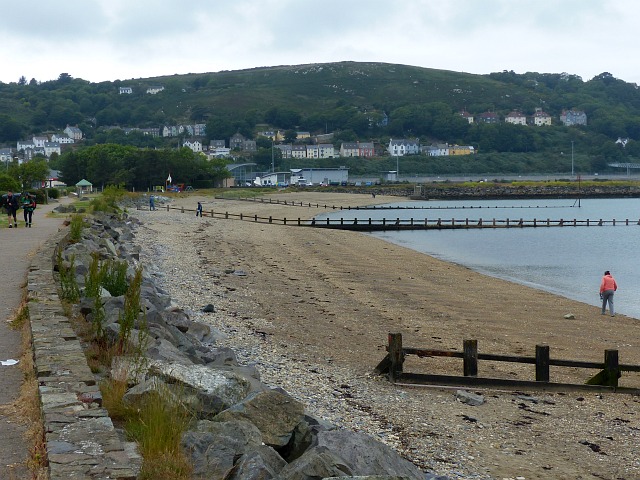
371, 225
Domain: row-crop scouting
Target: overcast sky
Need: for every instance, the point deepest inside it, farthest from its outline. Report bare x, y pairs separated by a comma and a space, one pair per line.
99, 40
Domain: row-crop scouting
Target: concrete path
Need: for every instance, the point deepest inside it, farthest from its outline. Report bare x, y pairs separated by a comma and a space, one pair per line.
17, 246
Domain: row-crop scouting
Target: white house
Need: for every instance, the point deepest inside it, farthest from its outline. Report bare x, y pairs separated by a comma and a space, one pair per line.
440, 150
285, 149
73, 132
541, 118
516, 118
24, 145
313, 151
50, 148
467, 116
298, 151
325, 150
349, 149
126, 90
402, 147
39, 141
194, 144
7, 155
155, 89
172, 130
61, 139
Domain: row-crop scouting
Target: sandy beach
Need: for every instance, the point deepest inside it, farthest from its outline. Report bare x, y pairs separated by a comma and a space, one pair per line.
311, 308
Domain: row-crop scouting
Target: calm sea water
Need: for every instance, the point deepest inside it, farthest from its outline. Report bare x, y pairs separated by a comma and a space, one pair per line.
567, 261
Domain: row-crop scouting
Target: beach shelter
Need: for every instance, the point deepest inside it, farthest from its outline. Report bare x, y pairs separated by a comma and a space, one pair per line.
84, 186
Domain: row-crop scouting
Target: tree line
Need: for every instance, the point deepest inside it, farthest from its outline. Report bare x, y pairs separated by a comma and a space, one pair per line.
139, 169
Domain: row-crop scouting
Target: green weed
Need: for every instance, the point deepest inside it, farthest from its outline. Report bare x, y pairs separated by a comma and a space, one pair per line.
113, 277
158, 428
68, 283
75, 228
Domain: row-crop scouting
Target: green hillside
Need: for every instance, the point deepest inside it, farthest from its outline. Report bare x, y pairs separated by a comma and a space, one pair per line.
348, 99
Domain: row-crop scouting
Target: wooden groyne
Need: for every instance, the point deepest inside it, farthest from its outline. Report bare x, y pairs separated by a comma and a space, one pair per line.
607, 379
384, 224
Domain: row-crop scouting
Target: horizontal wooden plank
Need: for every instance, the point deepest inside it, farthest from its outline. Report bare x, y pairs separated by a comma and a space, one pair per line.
449, 381
425, 352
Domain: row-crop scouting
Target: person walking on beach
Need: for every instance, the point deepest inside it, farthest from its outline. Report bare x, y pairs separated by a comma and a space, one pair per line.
152, 203
608, 286
199, 210
28, 201
10, 202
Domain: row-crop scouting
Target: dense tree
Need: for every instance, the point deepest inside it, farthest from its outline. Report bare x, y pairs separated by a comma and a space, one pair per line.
10, 130
64, 78
282, 117
219, 128
290, 136
139, 169
8, 182
33, 173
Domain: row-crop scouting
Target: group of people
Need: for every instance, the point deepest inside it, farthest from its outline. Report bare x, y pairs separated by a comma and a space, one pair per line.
13, 202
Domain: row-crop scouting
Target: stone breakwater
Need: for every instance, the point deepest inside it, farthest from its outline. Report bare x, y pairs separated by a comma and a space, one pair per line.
244, 429
498, 191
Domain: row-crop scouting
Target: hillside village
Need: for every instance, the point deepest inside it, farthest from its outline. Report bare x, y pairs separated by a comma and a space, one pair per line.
305, 145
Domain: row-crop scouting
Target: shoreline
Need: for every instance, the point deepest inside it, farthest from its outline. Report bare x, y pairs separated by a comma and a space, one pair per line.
313, 310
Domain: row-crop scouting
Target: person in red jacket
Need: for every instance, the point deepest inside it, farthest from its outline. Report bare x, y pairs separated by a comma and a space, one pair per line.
608, 286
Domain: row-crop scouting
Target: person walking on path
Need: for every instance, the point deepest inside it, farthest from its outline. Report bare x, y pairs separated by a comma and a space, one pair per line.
11, 204
152, 203
608, 286
199, 210
28, 206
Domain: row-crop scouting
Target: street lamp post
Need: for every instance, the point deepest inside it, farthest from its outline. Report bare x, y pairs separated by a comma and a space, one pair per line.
572, 158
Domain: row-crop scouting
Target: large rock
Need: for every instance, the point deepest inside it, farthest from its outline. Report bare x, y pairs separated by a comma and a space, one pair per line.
162, 350
304, 437
138, 393
223, 356
367, 456
262, 463
214, 446
276, 415
213, 389
317, 463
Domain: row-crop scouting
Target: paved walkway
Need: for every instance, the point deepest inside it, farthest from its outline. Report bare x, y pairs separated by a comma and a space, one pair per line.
17, 247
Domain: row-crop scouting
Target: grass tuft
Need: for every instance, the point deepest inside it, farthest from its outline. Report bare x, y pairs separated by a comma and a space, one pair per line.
158, 429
